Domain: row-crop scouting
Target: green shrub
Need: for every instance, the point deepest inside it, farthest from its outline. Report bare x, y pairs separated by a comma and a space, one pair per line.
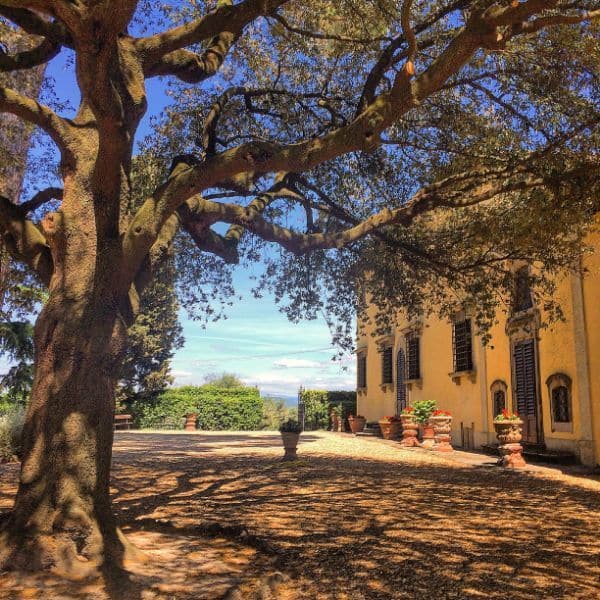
217, 408
11, 429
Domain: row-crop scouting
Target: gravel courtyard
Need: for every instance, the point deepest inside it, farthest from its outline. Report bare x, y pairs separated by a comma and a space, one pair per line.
218, 515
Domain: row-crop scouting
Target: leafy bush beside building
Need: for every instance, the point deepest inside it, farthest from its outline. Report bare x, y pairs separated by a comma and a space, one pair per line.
318, 403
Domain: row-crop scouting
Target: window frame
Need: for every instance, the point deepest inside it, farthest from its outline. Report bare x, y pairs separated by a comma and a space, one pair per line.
462, 320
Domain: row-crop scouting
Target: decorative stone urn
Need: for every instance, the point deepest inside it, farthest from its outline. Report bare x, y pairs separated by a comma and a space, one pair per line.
190, 421
290, 444
442, 426
390, 428
410, 429
428, 435
357, 423
509, 434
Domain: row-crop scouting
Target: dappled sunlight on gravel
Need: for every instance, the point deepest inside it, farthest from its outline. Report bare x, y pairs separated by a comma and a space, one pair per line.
219, 515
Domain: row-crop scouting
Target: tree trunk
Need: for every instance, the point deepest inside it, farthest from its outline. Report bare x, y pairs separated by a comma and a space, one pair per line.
62, 518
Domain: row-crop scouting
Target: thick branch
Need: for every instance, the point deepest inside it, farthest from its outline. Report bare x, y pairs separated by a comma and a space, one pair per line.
226, 19
39, 55
427, 199
34, 112
24, 240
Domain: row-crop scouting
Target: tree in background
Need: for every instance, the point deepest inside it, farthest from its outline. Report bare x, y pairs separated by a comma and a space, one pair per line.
423, 144
20, 292
224, 380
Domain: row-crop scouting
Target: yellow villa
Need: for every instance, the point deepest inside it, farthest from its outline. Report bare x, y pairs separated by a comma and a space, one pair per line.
550, 376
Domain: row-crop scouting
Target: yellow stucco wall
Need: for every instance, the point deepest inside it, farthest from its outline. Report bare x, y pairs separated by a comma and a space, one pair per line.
571, 347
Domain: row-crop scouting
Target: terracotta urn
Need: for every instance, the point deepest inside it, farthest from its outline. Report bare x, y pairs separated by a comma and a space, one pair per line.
390, 429
190, 421
290, 444
410, 429
357, 424
442, 427
428, 435
509, 434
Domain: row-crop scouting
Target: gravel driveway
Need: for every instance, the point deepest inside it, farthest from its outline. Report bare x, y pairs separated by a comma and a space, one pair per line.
220, 516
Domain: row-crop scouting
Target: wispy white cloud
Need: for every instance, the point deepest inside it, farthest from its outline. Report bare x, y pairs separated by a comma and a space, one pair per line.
297, 363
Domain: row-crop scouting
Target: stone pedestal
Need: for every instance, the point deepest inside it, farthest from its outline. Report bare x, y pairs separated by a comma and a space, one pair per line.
509, 434
190, 421
428, 436
511, 456
410, 429
290, 445
442, 426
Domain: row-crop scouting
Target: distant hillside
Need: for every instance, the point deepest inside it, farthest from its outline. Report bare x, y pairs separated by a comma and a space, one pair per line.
291, 401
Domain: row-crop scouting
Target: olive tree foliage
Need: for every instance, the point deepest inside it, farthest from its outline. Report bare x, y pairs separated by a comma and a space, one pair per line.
397, 152
498, 166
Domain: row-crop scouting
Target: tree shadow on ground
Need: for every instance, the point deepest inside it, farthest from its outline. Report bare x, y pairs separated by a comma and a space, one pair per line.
233, 521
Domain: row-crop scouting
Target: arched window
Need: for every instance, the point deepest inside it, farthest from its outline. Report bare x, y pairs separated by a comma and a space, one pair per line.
561, 406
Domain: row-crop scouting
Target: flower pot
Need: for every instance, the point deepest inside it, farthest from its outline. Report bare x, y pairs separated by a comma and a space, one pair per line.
428, 435
442, 427
390, 430
290, 444
190, 421
357, 424
336, 423
410, 429
509, 434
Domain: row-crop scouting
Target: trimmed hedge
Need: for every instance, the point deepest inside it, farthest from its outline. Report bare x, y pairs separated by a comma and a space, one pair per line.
217, 408
317, 404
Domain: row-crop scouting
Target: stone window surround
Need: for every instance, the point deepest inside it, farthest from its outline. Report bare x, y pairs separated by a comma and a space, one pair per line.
554, 381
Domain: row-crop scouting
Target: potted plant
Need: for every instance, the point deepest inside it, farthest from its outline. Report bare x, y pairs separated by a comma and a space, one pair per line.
357, 423
423, 410
290, 434
410, 428
390, 427
508, 428
442, 426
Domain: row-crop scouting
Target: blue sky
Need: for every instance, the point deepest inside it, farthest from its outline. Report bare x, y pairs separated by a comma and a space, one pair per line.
256, 342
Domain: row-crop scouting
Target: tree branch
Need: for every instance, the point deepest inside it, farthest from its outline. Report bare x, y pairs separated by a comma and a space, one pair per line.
225, 19
24, 240
38, 114
41, 198
363, 133
39, 55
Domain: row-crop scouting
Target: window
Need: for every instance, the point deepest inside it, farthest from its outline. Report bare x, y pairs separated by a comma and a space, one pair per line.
559, 390
386, 365
561, 410
361, 371
522, 299
413, 350
462, 345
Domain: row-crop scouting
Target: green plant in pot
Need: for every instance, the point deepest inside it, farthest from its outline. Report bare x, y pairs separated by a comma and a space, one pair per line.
290, 434
336, 418
423, 409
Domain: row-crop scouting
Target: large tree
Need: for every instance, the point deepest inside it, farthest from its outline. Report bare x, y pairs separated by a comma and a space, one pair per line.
362, 118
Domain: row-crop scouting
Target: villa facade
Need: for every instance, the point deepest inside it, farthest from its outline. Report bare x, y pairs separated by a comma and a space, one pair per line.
550, 376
